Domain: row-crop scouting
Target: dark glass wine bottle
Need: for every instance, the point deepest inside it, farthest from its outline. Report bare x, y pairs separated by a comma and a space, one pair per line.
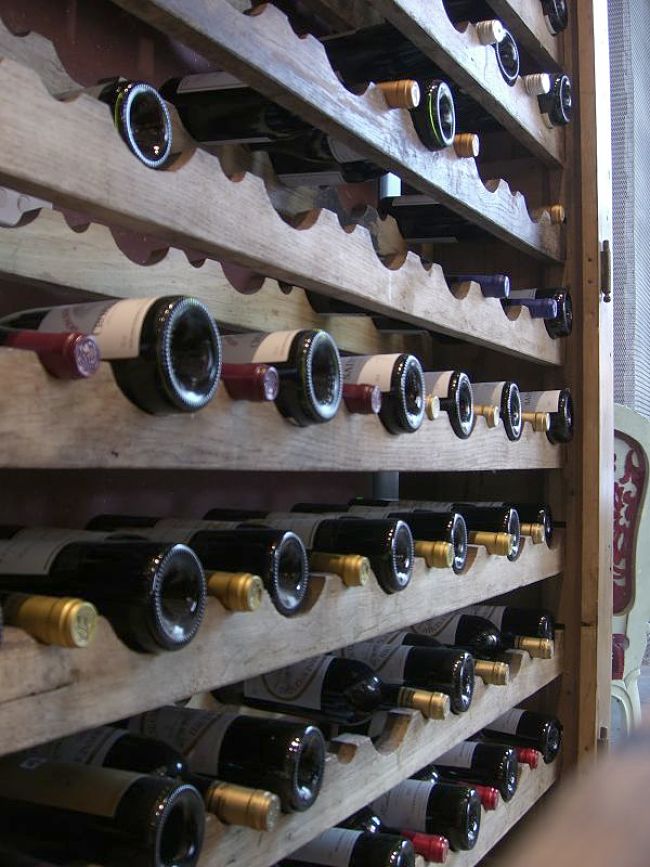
401, 381
559, 405
309, 366
557, 105
140, 115
519, 727
387, 543
490, 797
287, 758
512, 621
488, 764
505, 395
478, 634
67, 355
152, 593
558, 325
492, 285
165, 352
330, 689
277, 556
100, 814
434, 848
556, 15
342, 847
433, 808
109, 747
535, 520
439, 669
455, 396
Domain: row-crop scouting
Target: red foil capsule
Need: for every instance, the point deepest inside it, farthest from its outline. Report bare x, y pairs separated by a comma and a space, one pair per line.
432, 847
527, 756
66, 355
362, 399
490, 797
257, 382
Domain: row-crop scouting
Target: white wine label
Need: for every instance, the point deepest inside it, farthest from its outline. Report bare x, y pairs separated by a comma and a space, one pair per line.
427, 504
32, 551
257, 347
405, 806
303, 525
116, 325
183, 529
369, 370
312, 179
84, 788
209, 81
443, 628
197, 734
436, 382
488, 393
342, 153
540, 401
88, 748
386, 660
493, 613
374, 511
332, 848
522, 293
508, 722
300, 684
395, 637
459, 756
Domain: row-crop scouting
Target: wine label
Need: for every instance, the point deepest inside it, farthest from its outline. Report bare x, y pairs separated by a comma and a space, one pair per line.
540, 401
459, 756
436, 382
507, 723
197, 734
305, 526
515, 294
493, 613
116, 325
369, 370
342, 153
87, 748
32, 551
84, 788
183, 529
443, 628
209, 81
386, 660
488, 393
428, 504
257, 346
405, 806
374, 511
332, 848
311, 179
300, 684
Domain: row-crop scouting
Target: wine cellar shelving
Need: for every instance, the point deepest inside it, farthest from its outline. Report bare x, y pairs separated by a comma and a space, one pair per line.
215, 233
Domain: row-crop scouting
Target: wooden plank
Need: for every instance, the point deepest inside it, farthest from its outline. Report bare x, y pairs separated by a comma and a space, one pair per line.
44, 423
263, 51
363, 773
474, 67
109, 184
70, 690
525, 20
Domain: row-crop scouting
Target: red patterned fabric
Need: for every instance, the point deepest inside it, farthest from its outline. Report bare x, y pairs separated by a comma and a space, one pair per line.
619, 643
629, 486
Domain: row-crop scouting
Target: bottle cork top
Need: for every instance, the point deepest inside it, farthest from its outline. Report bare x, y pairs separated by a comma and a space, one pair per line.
401, 94
432, 407
490, 32
495, 673
362, 398
536, 532
537, 84
467, 144
437, 555
353, 569
538, 648
64, 621
491, 414
237, 591
238, 805
432, 705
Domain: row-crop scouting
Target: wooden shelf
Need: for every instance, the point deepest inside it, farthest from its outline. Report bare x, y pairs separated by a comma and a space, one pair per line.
264, 51
360, 772
48, 692
525, 20
54, 424
48, 251
474, 67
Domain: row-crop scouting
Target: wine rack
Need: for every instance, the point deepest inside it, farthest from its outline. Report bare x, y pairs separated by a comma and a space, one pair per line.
216, 233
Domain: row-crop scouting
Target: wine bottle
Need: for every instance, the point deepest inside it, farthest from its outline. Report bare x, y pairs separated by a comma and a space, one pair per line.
241, 555
110, 747
513, 622
254, 382
558, 404
478, 634
334, 690
437, 669
152, 593
455, 397
539, 308
401, 381
342, 847
433, 808
68, 355
556, 15
63, 621
535, 520
519, 727
558, 325
287, 758
140, 115
387, 543
308, 364
490, 797
557, 105
165, 352
505, 395
488, 764
100, 814
491, 285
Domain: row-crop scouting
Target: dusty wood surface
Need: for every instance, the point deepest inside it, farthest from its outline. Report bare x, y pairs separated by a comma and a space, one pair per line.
264, 52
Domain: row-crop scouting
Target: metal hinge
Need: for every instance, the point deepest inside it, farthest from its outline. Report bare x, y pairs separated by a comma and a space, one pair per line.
606, 271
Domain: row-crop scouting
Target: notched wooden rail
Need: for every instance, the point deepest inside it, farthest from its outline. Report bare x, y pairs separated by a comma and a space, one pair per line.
265, 52
108, 681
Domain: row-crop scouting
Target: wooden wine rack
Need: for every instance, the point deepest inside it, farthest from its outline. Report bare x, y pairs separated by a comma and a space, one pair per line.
216, 233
